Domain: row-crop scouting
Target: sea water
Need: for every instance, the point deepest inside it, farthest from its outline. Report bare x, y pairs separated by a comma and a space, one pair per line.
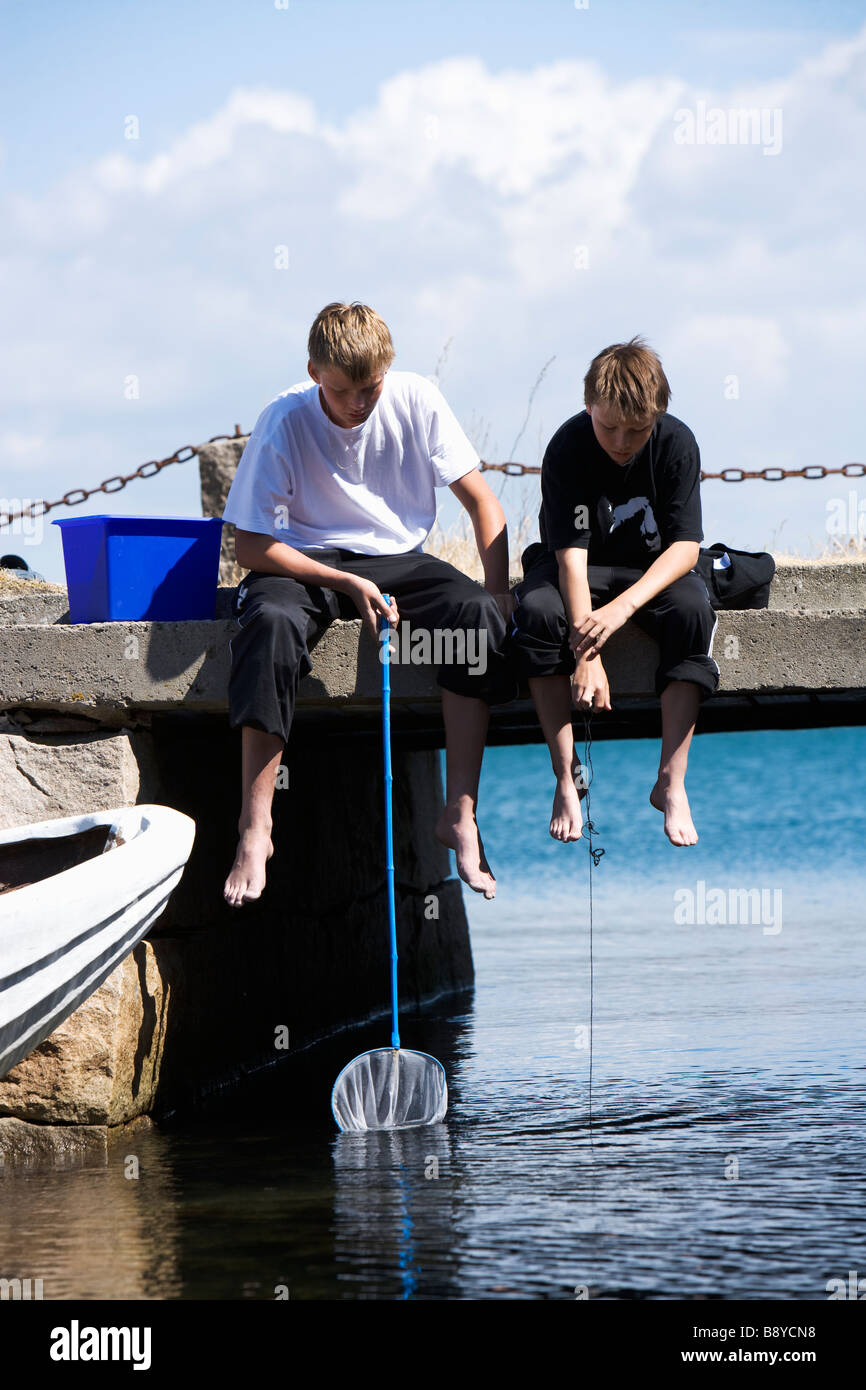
720, 1153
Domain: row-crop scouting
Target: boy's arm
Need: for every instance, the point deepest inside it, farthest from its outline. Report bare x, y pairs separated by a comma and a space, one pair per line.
491, 535
593, 631
455, 462
589, 684
573, 584
255, 551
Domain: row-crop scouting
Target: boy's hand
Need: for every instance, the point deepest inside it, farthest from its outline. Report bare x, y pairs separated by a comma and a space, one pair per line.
589, 686
369, 602
505, 604
590, 634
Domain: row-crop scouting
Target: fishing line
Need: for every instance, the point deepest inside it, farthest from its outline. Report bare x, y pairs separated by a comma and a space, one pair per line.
595, 854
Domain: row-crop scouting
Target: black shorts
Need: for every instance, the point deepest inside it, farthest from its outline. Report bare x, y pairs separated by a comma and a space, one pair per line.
680, 619
280, 620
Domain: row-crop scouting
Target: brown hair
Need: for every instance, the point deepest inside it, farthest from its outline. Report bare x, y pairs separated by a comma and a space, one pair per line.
352, 338
629, 378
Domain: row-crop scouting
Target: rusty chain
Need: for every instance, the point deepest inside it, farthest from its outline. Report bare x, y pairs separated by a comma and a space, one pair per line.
147, 470
727, 475
77, 495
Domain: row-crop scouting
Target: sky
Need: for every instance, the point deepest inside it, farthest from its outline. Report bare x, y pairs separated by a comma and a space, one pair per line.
513, 185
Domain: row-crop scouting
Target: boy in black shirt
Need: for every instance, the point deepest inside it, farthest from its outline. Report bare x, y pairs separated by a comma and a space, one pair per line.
620, 527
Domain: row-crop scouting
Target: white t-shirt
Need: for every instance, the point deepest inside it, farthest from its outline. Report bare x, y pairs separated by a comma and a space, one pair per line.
312, 484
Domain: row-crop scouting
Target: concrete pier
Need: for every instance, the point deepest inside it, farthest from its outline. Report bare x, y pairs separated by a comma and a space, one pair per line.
109, 714
808, 646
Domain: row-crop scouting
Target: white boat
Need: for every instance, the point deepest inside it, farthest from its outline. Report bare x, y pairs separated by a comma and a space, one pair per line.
76, 895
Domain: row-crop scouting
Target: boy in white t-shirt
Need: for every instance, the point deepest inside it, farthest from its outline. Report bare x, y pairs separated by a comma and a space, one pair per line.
333, 498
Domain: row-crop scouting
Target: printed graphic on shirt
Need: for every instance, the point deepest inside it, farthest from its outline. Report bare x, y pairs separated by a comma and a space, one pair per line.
635, 517
620, 515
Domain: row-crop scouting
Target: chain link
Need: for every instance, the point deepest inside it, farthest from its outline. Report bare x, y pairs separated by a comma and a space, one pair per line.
727, 475
77, 495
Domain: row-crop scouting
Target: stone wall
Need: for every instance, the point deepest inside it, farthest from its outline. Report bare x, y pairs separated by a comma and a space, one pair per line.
217, 465
199, 1002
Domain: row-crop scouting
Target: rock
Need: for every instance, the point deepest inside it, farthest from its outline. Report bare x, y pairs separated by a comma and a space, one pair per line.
806, 588
117, 1216
217, 464
100, 1067
24, 1145
33, 603
55, 775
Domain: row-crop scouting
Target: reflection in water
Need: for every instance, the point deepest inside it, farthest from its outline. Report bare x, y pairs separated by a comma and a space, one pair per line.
89, 1231
728, 1099
388, 1204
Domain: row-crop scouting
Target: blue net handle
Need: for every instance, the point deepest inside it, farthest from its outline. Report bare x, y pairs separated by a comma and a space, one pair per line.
385, 652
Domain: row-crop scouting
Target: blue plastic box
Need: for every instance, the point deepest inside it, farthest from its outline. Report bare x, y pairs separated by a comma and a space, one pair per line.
129, 568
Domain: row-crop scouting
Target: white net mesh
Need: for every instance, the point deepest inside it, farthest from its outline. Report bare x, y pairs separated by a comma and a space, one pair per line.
389, 1089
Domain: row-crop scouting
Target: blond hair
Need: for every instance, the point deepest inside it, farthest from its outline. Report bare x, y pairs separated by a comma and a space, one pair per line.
629, 378
352, 338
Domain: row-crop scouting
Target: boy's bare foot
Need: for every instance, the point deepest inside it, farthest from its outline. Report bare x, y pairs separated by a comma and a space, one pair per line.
458, 829
671, 799
566, 820
247, 877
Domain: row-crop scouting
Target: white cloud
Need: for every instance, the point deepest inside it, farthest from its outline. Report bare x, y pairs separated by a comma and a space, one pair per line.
207, 143
19, 446
738, 345
455, 202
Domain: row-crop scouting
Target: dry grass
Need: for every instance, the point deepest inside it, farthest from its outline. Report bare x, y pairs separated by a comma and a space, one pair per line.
11, 584
457, 543
834, 553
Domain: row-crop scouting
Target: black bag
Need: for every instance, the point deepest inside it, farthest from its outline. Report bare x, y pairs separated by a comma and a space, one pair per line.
736, 578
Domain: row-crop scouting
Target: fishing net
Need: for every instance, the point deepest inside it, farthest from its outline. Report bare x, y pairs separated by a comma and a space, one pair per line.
390, 1089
